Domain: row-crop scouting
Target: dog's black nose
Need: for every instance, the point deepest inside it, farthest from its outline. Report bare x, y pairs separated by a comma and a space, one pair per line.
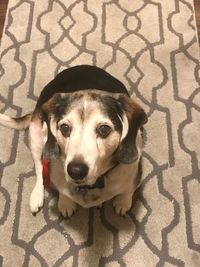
77, 171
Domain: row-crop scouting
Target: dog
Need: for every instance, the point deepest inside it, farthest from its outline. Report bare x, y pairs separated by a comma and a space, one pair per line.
90, 129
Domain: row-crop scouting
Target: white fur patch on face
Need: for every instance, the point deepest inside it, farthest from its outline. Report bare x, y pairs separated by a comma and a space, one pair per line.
84, 143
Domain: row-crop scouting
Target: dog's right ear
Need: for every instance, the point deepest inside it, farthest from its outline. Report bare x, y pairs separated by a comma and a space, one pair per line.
127, 151
51, 148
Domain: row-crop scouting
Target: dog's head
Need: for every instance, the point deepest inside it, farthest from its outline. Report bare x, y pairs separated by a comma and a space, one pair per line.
92, 131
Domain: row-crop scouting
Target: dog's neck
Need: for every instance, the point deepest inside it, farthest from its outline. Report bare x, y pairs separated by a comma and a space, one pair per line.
100, 182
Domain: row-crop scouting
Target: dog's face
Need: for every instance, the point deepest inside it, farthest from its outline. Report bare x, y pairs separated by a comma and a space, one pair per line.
93, 131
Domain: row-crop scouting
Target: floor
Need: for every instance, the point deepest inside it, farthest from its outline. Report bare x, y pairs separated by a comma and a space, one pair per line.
3, 6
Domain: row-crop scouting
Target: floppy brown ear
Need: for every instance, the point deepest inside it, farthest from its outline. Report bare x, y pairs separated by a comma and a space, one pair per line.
127, 151
51, 148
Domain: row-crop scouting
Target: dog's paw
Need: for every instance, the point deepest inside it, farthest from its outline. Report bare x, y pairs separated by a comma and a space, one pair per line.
122, 204
36, 199
66, 206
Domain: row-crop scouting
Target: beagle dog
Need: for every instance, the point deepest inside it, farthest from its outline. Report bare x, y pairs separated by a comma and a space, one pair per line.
88, 127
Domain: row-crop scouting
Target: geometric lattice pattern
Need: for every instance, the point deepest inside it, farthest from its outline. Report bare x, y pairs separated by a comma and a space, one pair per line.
151, 46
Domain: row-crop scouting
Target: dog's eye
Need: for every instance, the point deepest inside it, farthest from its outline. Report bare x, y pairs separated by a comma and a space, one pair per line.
65, 129
103, 130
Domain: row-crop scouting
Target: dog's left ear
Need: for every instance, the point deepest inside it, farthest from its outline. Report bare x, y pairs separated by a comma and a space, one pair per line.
127, 151
51, 148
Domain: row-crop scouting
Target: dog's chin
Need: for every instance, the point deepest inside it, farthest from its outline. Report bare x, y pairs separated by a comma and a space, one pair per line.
88, 181
80, 187
85, 182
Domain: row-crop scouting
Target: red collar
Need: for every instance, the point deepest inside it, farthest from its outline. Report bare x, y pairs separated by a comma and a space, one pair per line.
46, 173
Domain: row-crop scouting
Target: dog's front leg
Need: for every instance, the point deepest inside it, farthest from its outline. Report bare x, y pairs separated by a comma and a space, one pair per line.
122, 203
36, 145
66, 206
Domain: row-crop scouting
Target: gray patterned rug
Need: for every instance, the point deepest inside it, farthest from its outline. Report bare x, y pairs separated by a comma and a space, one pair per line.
151, 46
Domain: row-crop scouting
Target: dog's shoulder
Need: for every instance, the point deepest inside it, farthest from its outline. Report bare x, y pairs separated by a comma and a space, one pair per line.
81, 77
